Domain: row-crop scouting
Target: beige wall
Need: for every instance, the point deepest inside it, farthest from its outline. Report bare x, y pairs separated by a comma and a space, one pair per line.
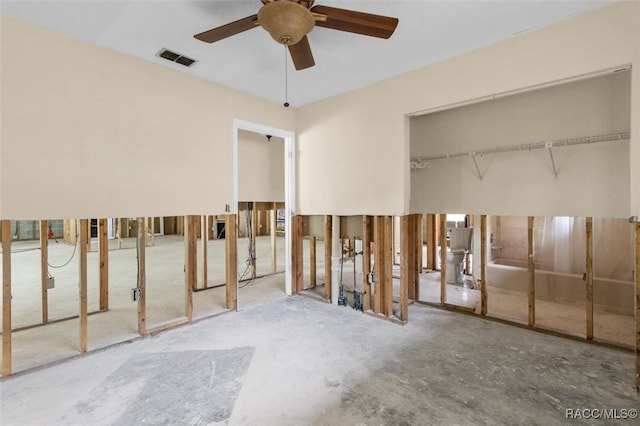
260, 167
593, 178
87, 131
366, 129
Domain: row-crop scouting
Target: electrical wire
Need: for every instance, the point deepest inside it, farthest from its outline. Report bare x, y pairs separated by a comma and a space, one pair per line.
251, 254
75, 248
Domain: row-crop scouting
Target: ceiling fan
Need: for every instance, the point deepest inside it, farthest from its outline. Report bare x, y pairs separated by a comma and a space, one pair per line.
289, 21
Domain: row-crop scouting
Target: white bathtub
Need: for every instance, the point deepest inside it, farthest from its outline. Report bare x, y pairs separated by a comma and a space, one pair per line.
508, 274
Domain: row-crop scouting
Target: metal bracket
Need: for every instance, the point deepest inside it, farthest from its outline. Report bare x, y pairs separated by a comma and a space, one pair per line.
417, 164
475, 162
549, 145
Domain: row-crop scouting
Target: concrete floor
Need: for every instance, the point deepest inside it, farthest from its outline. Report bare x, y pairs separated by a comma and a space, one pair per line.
294, 361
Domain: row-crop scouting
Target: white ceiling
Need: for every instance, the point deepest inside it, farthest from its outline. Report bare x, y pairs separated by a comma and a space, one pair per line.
252, 62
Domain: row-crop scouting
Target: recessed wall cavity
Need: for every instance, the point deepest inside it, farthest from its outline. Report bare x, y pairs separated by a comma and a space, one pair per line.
590, 179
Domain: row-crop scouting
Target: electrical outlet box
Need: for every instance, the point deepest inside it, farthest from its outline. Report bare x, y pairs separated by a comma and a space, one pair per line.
135, 294
51, 283
372, 278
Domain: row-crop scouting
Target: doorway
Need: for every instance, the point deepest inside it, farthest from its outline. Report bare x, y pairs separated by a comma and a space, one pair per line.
287, 138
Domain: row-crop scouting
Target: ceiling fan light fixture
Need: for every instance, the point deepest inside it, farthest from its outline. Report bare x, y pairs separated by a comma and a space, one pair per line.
286, 21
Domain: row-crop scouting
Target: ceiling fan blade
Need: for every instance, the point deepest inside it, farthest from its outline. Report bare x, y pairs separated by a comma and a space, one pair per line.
356, 22
228, 30
301, 54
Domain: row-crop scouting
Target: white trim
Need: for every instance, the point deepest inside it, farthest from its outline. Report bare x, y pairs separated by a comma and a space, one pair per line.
544, 85
289, 185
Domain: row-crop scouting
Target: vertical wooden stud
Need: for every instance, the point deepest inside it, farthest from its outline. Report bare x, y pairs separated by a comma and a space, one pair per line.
152, 230
378, 264
254, 237
103, 255
231, 255
272, 231
443, 258
119, 232
296, 254
6, 297
532, 274
483, 264
637, 294
312, 261
142, 276
83, 309
589, 277
44, 269
328, 230
432, 243
389, 249
419, 240
204, 240
419, 259
412, 253
179, 225
415, 253
406, 232
88, 243
366, 262
211, 222
191, 264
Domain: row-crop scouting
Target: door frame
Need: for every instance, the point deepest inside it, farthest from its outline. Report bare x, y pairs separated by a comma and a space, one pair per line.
289, 183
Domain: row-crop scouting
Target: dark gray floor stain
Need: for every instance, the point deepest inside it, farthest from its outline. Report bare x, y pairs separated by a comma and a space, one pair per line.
189, 387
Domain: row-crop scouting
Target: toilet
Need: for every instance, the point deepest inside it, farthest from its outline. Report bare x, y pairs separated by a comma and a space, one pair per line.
459, 245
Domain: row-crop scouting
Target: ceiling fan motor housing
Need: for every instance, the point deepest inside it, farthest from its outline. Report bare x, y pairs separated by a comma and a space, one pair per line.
286, 21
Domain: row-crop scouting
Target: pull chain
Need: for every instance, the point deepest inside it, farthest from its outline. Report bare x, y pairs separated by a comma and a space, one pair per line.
286, 79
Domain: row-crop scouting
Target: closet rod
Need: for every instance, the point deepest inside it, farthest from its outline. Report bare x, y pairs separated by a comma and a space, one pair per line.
418, 162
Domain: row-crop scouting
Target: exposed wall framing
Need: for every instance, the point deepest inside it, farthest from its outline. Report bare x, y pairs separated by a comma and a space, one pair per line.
312, 261
483, 264
82, 297
296, 253
407, 246
432, 242
589, 276
103, 256
272, 234
6, 297
443, 255
532, 273
191, 264
204, 238
142, 276
231, 261
637, 305
44, 270
328, 242
366, 263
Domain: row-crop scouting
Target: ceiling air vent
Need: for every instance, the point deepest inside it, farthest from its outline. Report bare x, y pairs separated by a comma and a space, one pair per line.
176, 57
